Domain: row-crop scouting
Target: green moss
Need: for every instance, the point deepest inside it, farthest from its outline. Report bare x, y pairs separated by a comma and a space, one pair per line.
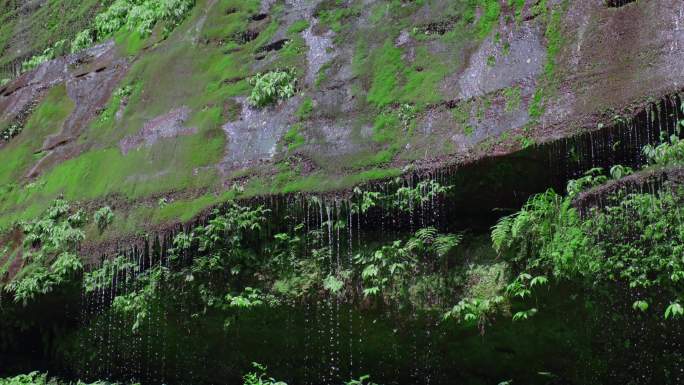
305, 109
387, 69
554, 41
293, 138
360, 58
298, 26
536, 108
228, 19
491, 10
47, 119
461, 112
379, 12
386, 127
379, 158
424, 78
334, 18
293, 54
141, 172
518, 5
184, 210
512, 96
129, 42
322, 75
482, 105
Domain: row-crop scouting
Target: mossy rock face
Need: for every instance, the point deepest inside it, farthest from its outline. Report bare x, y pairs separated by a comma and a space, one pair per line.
380, 85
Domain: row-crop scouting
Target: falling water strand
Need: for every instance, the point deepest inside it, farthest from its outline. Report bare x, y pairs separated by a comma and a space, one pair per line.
331, 304
351, 294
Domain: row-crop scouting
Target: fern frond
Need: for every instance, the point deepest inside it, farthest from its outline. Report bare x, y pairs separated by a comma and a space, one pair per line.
501, 233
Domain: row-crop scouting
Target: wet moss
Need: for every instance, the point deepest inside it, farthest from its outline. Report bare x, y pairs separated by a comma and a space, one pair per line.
387, 68
293, 138
298, 26
18, 155
512, 95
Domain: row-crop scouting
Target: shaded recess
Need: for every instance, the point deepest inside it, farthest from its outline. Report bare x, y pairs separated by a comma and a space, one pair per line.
618, 3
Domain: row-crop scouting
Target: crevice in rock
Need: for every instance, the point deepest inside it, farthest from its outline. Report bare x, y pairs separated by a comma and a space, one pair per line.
438, 27
259, 16
648, 180
16, 126
275, 46
245, 36
617, 3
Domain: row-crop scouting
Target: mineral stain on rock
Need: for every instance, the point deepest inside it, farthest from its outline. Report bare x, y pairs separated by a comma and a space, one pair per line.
170, 125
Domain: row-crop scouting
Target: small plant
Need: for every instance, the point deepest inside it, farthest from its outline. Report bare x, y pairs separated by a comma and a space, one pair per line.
83, 40
10, 132
407, 113
272, 86
591, 178
103, 217
258, 377
667, 153
619, 171
363, 380
123, 92
4, 82
675, 310
162, 202
47, 55
526, 142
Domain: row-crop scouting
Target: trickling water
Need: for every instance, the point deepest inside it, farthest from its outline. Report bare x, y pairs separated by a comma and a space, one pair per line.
333, 337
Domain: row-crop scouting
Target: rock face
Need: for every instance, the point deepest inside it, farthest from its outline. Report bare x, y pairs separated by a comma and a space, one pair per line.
380, 87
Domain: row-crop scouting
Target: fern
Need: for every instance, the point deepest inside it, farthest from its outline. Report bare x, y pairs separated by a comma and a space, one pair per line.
272, 86
501, 233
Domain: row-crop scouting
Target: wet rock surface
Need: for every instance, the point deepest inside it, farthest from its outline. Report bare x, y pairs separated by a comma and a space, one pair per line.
452, 97
170, 125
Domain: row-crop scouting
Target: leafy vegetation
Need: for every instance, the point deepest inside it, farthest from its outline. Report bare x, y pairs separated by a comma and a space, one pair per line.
141, 16
47, 55
10, 132
390, 270
50, 252
271, 87
36, 378
103, 217
632, 241
258, 377
667, 153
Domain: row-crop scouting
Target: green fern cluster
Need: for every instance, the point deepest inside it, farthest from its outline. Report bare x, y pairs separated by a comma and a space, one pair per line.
141, 15
634, 240
666, 153
50, 246
390, 271
103, 217
48, 54
272, 86
221, 268
37, 378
